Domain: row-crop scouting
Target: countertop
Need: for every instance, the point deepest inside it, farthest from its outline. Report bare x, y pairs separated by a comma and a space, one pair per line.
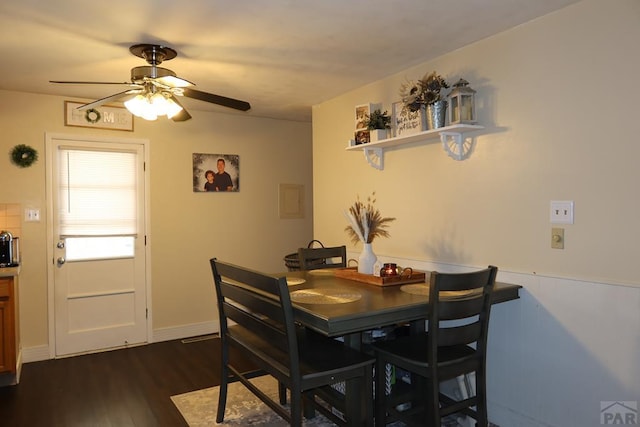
9, 271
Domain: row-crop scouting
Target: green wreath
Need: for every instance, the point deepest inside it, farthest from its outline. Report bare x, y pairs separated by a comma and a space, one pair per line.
92, 115
23, 155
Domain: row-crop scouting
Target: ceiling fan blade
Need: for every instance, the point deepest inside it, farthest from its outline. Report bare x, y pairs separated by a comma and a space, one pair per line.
126, 93
182, 115
217, 99
173, 81
91, 83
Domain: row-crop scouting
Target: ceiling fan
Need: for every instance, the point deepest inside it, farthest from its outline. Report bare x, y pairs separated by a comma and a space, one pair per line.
154, 90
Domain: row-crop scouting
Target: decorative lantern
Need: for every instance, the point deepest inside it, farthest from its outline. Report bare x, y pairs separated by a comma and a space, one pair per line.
462, 107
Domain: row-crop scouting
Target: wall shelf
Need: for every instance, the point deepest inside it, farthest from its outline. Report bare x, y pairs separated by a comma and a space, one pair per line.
453, 139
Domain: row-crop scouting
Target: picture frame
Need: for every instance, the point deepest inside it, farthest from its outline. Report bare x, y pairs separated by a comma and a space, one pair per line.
362, 137
361, 113
405, 122
101, 117
225, 169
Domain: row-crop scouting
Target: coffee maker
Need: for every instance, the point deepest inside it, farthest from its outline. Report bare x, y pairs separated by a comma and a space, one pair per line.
9, 251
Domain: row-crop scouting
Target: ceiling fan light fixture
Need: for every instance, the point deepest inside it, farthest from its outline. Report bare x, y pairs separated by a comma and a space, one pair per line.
139, 106
165, 106
151, 105
156, 89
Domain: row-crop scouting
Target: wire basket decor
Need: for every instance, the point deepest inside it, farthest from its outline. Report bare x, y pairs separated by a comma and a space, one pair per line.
292, 262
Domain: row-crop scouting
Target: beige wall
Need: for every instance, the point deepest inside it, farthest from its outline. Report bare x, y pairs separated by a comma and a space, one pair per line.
187, 228
558, 100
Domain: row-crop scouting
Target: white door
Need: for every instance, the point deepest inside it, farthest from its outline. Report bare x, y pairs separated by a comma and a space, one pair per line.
97, 237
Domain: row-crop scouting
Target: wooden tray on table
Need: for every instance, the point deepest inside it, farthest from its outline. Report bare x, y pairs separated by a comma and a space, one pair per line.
352, 274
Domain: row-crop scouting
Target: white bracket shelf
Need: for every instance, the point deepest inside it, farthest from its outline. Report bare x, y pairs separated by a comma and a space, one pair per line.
453, 139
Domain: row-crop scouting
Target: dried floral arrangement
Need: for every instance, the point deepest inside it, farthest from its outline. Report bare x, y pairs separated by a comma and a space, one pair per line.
365, 221
425, 91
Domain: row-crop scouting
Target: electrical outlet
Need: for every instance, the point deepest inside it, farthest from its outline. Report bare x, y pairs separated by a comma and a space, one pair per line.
557, 238
562, 212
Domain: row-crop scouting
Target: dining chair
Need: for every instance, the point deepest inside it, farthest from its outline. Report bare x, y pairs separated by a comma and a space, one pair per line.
316, 258
306, 363
454, 345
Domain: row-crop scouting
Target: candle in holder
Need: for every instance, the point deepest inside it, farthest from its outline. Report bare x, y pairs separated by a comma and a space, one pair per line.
389, 269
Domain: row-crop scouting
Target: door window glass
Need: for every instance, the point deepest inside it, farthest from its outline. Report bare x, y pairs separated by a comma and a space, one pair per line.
94, 248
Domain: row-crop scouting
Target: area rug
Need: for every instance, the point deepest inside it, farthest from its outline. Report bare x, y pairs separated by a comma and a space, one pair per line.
243, 409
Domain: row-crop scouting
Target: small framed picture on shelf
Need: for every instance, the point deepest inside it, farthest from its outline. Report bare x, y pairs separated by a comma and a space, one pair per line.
406, 122
362, 112
362, 137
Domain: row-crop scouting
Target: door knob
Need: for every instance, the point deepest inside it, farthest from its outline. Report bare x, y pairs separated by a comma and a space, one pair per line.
60, 244
60, 261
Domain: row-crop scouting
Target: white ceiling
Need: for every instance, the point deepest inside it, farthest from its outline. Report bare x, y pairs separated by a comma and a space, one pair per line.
283, 56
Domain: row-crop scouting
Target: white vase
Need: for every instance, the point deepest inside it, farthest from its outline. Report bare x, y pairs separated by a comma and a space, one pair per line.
366, 260
377, 135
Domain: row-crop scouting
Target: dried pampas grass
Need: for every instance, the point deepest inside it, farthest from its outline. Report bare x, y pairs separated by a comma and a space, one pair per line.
365, 221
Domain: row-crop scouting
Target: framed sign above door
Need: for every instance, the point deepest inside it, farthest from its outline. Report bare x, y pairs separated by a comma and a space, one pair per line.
102, 117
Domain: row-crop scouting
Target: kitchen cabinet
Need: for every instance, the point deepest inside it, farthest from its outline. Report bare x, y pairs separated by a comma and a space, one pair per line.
9, 328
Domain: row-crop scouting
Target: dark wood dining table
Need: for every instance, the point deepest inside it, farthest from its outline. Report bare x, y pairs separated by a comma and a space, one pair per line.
342, 307
337, 306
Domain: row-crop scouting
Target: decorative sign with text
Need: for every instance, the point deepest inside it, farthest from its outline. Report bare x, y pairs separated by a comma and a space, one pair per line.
407, 122
102, 117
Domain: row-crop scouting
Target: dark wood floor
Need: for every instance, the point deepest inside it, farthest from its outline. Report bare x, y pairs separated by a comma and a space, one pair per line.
120, 388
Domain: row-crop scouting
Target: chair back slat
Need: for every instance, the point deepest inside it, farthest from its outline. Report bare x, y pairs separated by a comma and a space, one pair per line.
255, 279
459, 307
266, 306
271, 331
316, 258
457, 335
463, 281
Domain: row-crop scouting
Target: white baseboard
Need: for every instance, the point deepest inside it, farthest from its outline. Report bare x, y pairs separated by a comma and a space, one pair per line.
185, 331
35, 354
41, 352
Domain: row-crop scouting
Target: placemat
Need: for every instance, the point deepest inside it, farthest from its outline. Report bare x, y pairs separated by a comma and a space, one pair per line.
324, 296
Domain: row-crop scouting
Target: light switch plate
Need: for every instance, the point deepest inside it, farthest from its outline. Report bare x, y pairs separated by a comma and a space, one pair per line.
32, 215
557, 238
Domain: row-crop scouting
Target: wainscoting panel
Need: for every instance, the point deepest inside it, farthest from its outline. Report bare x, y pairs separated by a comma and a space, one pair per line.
560, 351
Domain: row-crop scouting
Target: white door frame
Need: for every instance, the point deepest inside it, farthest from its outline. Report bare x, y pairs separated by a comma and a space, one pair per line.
51, 239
